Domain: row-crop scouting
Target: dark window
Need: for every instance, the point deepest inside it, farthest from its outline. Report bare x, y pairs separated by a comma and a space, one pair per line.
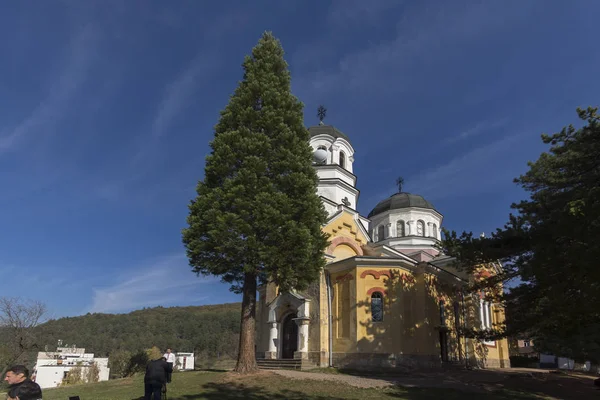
420, 228
377, 307
381, 232
456, 315
400, 232
342, 159
442, 313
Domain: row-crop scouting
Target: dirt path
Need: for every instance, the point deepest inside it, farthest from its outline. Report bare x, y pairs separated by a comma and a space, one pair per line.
545, 383
381, 382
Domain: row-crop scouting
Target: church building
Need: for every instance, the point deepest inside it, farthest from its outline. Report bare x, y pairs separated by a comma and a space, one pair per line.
387, 297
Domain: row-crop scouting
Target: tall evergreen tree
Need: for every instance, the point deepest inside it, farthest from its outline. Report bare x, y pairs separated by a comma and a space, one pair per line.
257, 217
551, 245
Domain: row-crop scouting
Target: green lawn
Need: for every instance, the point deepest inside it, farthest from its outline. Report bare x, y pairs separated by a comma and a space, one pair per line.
219, 385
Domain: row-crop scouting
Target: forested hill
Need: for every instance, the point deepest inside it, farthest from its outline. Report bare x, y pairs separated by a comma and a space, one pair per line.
208, 330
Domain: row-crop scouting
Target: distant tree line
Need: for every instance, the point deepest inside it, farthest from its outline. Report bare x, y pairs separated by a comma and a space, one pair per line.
129, 340
203, 329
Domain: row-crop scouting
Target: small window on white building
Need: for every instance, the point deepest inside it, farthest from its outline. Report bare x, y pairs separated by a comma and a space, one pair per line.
434, 231
342, 159
381, 232
420, 228
400, 229
526, 343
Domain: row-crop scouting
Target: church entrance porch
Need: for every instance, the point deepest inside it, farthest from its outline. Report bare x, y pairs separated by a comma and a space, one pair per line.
288, 327
289, 343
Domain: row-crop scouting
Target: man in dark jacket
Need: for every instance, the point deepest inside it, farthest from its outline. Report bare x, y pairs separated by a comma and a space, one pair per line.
21, 387
155, 378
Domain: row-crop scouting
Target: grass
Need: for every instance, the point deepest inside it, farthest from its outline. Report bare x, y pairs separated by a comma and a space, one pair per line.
221, 385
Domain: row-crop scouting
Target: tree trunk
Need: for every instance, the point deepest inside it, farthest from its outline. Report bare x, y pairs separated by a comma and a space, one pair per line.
247, 356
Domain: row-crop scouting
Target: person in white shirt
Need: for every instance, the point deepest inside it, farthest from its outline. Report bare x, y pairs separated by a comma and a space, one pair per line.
170, 358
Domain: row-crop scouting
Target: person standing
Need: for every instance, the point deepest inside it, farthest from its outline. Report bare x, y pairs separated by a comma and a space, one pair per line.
155, 378
170, 357
20, 386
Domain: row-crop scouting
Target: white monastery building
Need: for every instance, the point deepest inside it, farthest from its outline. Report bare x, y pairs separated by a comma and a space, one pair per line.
52, 367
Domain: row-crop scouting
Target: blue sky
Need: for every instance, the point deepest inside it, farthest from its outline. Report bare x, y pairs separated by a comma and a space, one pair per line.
107, 109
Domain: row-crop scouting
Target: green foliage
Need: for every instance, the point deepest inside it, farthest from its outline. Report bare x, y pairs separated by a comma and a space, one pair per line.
552, 246
205, 329
257, 217
257, 211
137, 363
92, 373
118, 362
74, 376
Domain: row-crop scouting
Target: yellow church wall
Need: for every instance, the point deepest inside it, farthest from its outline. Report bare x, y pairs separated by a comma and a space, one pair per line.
444, 314
396, 332
496, 353
412, 320
344, 311
343, 251
346, 238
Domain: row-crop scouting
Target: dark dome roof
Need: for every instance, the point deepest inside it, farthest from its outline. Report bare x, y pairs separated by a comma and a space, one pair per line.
401, 200
327, 130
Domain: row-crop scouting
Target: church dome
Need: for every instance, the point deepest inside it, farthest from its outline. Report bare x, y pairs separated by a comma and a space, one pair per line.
327, 130
401, 200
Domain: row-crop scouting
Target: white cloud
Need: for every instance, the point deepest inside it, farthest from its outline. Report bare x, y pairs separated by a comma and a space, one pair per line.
179, 91
425, 36
473, 172
342, 12
477, 171
479, 128
166, 282
56, 104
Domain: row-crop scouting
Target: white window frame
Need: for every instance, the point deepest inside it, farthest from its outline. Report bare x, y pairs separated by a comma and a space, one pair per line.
485, 315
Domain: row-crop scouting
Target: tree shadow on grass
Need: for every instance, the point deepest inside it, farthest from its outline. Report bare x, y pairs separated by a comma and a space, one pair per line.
422, 394
230, 390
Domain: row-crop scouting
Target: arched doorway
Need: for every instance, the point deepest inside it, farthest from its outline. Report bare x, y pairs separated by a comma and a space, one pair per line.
289, 343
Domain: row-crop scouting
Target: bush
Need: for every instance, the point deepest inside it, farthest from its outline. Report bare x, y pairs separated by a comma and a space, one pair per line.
524, 362
119, 362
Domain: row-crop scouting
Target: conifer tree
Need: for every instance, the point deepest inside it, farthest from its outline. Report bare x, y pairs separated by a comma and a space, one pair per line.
551, 245
257, 217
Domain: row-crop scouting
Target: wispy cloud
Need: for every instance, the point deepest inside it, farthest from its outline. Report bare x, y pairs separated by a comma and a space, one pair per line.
56, 104
166, 281
479, 128
473, 172
424, 36
342, 12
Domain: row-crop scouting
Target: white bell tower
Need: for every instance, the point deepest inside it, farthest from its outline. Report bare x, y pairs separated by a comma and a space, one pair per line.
333, 159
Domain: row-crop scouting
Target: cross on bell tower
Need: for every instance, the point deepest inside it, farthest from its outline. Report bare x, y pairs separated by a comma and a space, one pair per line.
399, 183
321, 113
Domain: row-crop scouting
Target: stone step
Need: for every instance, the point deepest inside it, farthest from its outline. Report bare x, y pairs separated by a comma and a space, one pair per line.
284, 364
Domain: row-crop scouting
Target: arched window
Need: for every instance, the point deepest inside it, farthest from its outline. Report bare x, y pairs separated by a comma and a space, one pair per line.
456, 307
442, 313
400, 229
420, 228
434, 231
342, 159
380, 233
377, 307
